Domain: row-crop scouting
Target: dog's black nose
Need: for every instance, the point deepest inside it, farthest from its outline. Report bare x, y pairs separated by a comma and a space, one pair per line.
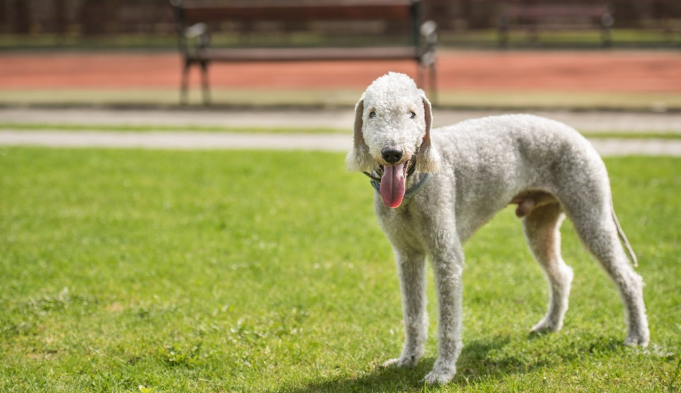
391, 155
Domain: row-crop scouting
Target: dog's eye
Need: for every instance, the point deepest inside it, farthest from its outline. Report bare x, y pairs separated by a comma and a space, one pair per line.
372, 114
412, 115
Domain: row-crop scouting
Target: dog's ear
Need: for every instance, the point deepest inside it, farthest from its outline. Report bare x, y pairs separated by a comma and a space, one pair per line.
359, 159
428, 159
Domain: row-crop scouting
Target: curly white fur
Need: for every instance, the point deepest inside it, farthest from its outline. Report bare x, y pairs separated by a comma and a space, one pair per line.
545, 167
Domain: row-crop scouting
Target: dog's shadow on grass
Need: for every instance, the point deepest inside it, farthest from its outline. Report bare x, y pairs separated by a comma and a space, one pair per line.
475, 366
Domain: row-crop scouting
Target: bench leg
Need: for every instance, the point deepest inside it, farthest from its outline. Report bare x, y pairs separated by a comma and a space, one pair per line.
204, 81
503, 32
503, 39
184, 83
606, 37
533, 33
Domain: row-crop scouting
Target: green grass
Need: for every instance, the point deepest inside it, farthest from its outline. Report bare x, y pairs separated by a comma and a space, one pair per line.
556, 38
266, 271
218, 39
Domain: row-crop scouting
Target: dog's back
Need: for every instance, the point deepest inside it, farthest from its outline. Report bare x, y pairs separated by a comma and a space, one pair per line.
494, 159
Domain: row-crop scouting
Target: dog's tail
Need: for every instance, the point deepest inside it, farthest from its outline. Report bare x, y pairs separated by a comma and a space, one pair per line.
623, 238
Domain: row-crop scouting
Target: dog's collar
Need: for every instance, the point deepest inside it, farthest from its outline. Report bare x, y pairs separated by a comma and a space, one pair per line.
411, 192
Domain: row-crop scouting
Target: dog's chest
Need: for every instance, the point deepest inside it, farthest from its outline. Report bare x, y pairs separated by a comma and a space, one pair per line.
403, 225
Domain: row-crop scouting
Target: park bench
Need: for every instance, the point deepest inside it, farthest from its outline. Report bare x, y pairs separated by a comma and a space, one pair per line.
194, 19
535, 17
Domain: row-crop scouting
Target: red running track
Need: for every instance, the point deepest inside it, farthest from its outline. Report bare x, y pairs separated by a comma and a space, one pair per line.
597, 71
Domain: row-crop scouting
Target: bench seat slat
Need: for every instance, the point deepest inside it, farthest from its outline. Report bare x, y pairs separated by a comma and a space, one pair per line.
304, 54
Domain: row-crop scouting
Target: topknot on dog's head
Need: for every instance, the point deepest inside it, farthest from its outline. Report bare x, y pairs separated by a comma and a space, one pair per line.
390, 88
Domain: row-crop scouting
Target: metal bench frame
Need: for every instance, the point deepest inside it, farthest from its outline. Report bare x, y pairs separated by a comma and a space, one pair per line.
195, 48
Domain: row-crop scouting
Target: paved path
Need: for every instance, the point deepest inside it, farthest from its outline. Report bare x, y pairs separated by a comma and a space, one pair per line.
314, 118
318, 142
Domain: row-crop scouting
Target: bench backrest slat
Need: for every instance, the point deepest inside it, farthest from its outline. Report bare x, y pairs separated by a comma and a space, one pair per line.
285, 11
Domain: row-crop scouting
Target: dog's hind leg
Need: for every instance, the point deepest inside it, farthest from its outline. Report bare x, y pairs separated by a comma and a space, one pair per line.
411, 267
542, 231
598, 231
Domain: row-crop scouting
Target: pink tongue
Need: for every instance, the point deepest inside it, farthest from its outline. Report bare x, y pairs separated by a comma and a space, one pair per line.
392, 185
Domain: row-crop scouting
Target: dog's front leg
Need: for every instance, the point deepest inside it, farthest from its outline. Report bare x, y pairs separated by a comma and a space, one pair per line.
411, 268
447, 260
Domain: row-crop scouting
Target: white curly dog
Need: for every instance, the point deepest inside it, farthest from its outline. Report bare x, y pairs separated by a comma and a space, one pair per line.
435, 188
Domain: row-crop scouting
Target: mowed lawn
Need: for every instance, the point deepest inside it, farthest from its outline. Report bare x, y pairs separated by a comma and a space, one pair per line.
216, 271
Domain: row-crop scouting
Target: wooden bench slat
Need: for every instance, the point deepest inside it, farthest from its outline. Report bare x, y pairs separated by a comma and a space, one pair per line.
299, 11
305, 54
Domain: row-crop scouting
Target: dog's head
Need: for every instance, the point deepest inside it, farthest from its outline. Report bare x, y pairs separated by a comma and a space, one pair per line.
392, 131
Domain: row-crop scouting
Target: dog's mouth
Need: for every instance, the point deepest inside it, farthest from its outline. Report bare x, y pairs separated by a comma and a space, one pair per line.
393, 179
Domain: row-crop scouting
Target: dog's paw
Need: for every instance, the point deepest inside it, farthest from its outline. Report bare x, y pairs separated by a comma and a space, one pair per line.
441, 374
637, 340
402, 361
545, 326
